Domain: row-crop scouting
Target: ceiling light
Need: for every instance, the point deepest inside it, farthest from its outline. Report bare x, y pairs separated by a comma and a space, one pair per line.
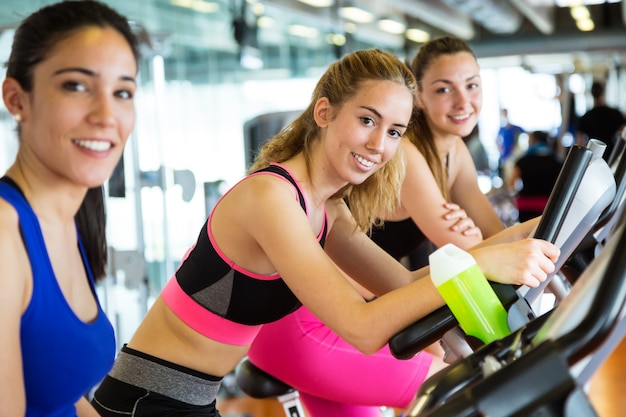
355, 14
338, 39
579, 12
258, 8
182, 3
585, 25
303, 31
205, 6
349, 27
391, 25
417, 35
265, 22
200, 6
318, 3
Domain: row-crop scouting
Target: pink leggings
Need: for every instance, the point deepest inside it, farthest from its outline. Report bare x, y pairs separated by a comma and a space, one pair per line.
333, 378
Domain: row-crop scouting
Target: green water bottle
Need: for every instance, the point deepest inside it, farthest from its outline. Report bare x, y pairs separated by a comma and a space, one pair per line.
468, 294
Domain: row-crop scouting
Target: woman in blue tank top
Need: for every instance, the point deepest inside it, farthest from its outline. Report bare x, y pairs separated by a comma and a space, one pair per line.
69, 85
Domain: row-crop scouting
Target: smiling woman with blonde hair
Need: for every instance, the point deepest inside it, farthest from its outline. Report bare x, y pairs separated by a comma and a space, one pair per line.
440, 201
283, 237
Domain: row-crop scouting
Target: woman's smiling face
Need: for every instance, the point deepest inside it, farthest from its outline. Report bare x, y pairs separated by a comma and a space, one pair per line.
80, 111
365, 132
451, 94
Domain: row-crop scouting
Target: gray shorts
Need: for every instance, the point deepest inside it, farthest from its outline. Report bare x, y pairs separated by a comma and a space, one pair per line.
143, 385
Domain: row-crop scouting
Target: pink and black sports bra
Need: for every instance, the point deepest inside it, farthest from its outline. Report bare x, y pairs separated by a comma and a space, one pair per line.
223, 301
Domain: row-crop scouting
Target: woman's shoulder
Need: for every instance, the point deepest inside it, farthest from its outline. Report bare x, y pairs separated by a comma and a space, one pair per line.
261, 182
13, 258
411, 152
9, 219
258, 193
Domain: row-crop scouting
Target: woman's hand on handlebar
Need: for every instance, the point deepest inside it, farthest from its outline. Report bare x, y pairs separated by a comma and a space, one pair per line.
525, 262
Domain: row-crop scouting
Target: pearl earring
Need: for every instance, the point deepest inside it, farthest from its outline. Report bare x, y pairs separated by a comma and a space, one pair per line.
18, 117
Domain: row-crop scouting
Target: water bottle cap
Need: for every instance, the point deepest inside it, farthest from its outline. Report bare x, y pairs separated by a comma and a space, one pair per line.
597, 147
447, 262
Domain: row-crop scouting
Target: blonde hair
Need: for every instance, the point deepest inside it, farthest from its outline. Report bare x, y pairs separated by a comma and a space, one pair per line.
420, 133
379, 193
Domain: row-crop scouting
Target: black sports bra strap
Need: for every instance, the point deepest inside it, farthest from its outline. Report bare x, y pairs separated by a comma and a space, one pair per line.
283, 173
9, 181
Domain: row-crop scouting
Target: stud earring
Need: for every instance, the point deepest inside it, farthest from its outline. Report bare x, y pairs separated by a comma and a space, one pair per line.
18, 117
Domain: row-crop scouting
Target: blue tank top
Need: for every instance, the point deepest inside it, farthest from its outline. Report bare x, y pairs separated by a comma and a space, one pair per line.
63, 357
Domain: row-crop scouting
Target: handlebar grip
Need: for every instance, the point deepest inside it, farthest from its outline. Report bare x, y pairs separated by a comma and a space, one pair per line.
423, 333
563, 193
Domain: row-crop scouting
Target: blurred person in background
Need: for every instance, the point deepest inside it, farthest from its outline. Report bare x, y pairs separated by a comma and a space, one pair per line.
533, 176
601, 121
507, 141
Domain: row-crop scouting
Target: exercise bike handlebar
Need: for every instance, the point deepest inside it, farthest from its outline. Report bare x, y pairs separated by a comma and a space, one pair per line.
607, 217
546, 351
431, 328
620, 178
563, 193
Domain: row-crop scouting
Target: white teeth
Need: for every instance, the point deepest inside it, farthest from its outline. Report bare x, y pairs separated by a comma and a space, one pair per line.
363, 161
462, 117
94, 145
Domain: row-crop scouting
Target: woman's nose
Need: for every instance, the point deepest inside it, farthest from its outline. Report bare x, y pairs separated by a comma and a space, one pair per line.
102, 110
376, 141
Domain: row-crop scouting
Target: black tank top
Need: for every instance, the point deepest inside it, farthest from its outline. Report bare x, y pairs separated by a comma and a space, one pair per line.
398, 238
